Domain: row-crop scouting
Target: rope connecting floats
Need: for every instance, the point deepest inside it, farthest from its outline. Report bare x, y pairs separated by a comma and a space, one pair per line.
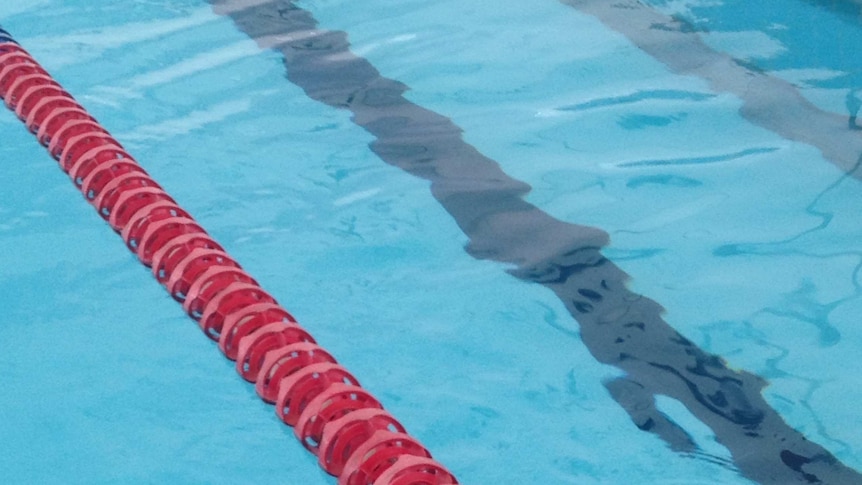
346, 427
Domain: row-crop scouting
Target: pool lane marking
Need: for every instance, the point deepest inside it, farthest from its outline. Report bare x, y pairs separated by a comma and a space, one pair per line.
619, 327
768, 102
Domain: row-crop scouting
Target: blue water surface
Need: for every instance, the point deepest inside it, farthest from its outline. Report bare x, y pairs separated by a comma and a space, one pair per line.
749, 241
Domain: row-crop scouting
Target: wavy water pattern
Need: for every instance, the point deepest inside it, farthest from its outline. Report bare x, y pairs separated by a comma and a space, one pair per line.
768, 101
620, 327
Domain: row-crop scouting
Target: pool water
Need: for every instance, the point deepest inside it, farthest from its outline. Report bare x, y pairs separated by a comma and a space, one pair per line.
743, 226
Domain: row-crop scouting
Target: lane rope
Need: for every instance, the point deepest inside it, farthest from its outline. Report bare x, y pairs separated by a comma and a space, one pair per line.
333, 417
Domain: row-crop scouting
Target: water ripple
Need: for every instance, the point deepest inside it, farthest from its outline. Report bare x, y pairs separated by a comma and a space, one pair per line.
698, 160
638, 96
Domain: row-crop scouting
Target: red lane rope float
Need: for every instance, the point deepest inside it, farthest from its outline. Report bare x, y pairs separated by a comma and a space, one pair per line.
260, 341
373, 457
284, 362
349, 432
297, 389
336, 401
333, 416
415, 470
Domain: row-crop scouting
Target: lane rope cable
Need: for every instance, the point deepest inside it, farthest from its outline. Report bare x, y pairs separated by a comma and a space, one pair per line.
333, 417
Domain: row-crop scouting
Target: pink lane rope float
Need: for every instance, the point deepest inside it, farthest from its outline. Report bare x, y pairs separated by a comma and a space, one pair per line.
346, 427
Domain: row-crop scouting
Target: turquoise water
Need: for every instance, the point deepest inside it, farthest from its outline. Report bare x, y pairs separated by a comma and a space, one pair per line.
748, 239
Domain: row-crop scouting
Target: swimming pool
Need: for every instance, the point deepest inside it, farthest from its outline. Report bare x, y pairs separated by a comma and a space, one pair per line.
739, 225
